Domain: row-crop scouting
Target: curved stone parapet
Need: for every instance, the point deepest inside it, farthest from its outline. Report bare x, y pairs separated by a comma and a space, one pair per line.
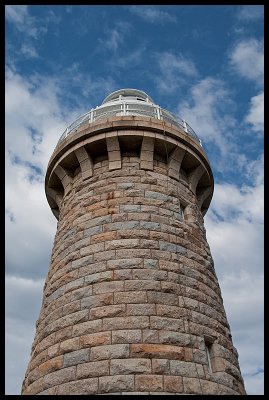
148, 139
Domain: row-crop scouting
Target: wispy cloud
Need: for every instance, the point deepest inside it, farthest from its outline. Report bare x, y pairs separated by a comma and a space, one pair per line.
36, 116
177, 64
255, 117
255, 170
174, 69
251, 12
34, 121
115, 36
91, 88
209, 108
152, 14
32, 105
10, 215
31, 29
234, 224
25, 288
207, 111
244, 305
29, 51
255, 380
247, 60
234, 204
53, 18
20, 17
132, 58
16, 14
23, 301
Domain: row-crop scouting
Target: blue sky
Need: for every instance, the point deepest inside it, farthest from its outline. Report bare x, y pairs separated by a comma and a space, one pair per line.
204, 63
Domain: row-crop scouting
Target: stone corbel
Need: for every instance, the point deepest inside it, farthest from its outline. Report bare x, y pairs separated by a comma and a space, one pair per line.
194, 177
206, 193
56, 195
85, 161
114, 155
175, 161
146, 153
64, 177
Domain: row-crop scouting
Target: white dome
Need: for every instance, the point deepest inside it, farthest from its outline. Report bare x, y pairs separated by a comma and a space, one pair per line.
128, 93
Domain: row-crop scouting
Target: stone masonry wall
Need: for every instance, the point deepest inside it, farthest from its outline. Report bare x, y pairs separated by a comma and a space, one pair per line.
131, 295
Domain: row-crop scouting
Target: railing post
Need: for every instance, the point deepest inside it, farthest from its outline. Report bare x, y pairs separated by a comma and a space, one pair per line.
158, 112
185, 126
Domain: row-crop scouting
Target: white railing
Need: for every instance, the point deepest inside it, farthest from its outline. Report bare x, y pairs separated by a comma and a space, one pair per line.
125, 108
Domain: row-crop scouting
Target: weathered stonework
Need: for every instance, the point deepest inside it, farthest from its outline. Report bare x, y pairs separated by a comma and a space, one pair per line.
131, 298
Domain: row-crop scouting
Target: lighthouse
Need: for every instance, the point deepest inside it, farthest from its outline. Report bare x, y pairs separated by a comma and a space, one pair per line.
131, 302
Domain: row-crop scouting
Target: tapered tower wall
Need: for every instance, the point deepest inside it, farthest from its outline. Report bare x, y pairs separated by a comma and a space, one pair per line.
131, 301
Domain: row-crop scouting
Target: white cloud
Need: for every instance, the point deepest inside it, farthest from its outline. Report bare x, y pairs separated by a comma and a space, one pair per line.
34, 226
235, 231
152, 14
23, 21
235, 224
29, 51
33, 114
16, 14
19, 336
256, 382
37, 110
19, 297
133, 58
255, 116
35, 119
34, 122
23, 302
230, 241
53, 18
247, 60
255, 170
243, 301
116, 36
176, 64
234, 203
114, 40
205, 112
87, 86
251, 12
174, 69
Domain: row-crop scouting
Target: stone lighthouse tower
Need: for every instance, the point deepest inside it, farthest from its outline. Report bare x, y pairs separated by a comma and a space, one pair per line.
131, 302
